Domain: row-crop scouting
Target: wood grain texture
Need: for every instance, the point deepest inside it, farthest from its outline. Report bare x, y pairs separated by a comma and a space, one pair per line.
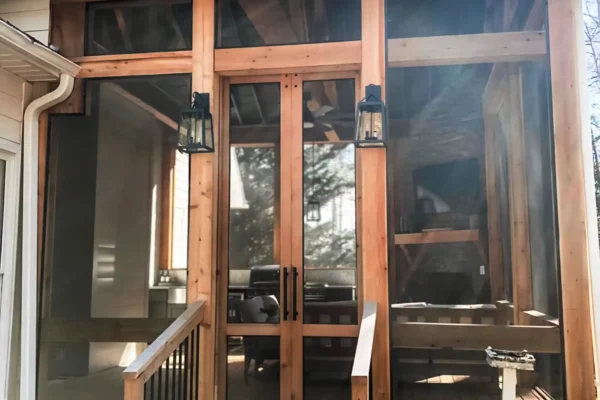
167, 206
425, 335
155, 355
68, 32
468, 235
202, 231
518, 197
571, 126
295, 157
467, 49
372, 201
302, 58
364, 347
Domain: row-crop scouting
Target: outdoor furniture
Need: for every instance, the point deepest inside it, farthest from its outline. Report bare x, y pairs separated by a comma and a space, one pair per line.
510, 362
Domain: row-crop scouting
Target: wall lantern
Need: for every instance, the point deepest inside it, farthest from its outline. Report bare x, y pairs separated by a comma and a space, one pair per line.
313, 211
196, 128
371, 119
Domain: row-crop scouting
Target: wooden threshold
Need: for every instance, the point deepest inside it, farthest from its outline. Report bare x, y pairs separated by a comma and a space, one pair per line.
419, 335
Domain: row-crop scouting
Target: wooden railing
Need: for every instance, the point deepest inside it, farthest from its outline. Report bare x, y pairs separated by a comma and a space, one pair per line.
364, 348
168, 368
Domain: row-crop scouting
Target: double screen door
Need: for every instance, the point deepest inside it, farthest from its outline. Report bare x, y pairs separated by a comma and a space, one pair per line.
289, 279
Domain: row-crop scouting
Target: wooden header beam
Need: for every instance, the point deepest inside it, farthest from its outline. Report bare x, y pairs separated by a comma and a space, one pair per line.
338, 56
299, 58
467, 49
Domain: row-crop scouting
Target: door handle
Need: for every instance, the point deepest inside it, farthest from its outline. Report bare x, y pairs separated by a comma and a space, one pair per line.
294, 297
285, 293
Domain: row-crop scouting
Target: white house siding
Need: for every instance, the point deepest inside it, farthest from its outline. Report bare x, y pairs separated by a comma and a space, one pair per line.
31, 16
14, 92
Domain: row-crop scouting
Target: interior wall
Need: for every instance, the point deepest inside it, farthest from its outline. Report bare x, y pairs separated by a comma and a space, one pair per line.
73, 190
127, 142
31, 16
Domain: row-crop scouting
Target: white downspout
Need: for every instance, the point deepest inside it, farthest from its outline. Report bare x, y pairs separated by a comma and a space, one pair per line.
30, 230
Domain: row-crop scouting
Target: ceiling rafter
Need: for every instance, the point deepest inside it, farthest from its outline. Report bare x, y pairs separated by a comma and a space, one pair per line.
123, 28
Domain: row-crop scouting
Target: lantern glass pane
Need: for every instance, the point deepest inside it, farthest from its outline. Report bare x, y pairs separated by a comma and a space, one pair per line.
208, 133
184, 129
313, 211
197, 134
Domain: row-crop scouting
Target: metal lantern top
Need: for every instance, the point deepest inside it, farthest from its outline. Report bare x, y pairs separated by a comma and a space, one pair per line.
371, 119
196, 128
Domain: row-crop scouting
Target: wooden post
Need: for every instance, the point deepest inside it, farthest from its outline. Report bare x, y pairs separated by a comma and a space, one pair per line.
202, 240
519, 203
372, 201
572, 141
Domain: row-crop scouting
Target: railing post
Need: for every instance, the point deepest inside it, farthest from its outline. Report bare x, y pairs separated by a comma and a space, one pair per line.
134, 389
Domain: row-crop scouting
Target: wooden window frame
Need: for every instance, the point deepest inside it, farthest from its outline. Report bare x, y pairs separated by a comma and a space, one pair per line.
10, 152
208, 67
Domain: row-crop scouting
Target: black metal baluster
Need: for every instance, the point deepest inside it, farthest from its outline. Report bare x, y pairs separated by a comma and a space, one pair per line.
197, 361
145, 390
174, 385
192, 346
152, 387
181, 373
167, 380
160, 371
186, 366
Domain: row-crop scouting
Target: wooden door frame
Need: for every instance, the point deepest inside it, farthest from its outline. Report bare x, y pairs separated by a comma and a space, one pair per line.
291, 333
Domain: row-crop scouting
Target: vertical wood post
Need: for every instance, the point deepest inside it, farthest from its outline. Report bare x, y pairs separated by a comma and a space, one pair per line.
372, 201
203, 197
518, 198
572, 141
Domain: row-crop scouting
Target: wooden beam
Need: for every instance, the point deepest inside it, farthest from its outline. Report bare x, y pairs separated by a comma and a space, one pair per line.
361, 367
143, 105
174, 62
372, 207
450, 314
467, 49
538, 318
167, 204
202, 231
270, 21
574, 191
340, 56
123, 28
68, 32
106, 330
518, 196
423, 335
469, 235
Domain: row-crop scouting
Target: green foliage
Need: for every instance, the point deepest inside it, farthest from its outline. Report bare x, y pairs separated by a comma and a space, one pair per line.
328, 174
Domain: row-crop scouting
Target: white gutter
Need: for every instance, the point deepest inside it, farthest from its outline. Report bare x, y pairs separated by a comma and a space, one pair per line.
30, 228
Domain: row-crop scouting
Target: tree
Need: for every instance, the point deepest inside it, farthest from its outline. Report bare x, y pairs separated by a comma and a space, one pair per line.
592, 41
328, 175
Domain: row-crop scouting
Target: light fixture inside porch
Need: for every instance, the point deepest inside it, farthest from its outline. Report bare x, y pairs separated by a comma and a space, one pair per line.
371, 129
196, 128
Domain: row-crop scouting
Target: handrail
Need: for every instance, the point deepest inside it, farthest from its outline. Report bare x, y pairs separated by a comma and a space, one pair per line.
364, 348
163, 348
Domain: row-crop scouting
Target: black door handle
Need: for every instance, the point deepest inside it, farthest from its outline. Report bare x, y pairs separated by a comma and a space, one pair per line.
285, 294
294, 297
